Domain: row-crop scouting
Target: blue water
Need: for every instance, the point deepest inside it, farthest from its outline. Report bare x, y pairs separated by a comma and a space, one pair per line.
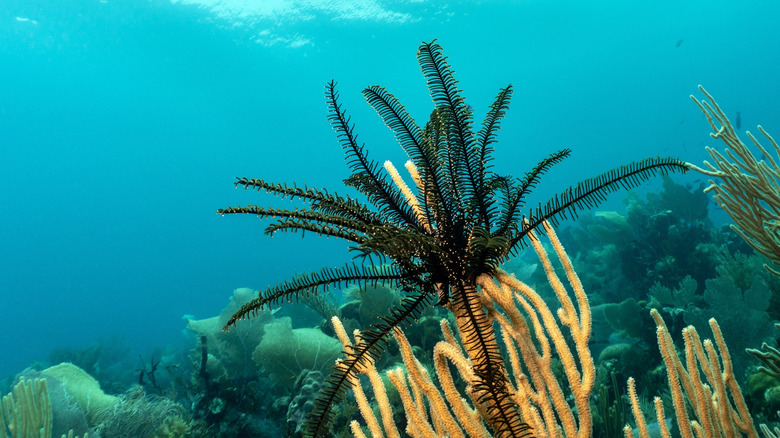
124, 123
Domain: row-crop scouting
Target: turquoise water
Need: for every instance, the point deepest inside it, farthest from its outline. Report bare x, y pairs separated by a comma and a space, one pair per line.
124, 123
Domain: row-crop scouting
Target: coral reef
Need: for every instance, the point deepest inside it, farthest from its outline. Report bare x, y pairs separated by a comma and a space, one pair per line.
67, 415
371, 302
495, 340
134, 414
261, 379
741, 313
231, 353
84, 390
285, 352
661, 238
228, 391
77, 406
306, 389
107, 359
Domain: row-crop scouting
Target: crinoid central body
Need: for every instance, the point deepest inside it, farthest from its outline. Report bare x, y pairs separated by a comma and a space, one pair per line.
434, 240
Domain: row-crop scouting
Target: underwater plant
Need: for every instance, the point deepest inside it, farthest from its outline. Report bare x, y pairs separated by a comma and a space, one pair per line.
748, 190
463, 221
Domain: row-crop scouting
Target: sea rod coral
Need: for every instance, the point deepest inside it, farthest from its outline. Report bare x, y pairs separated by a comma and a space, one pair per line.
749, 188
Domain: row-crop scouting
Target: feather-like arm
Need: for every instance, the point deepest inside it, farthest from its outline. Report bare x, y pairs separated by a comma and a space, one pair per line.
312, 282
369, 347
591, 192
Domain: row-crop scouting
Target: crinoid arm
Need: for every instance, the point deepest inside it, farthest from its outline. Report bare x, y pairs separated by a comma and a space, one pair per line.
318, 282
514, 194
488, 134
320, 200
367, 177
593, 191
490, 385
367, 349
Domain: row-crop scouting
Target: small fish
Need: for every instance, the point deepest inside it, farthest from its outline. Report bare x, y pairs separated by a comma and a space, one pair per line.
739, 120
679, 43
25, 20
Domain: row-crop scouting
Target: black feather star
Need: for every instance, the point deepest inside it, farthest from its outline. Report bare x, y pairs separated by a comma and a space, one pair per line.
460, 223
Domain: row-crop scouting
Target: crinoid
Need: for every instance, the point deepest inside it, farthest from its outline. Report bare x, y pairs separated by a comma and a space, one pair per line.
434, 241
